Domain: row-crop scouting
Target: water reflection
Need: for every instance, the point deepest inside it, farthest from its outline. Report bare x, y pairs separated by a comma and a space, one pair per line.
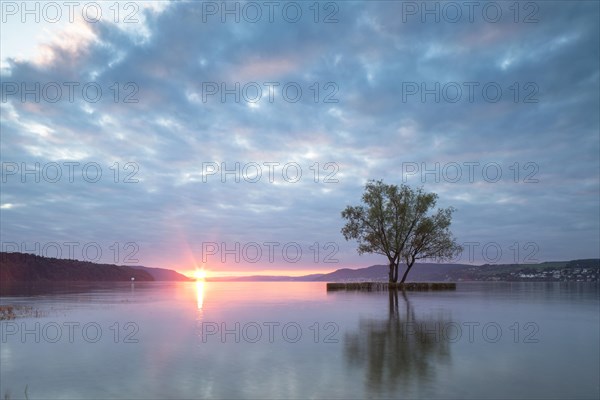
199, 293
387, 353
400, 354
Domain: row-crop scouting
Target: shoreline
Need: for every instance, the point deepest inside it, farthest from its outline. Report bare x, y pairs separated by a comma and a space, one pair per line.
383, 286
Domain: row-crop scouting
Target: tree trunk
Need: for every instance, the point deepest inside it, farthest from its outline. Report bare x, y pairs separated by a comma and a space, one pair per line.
408, 267
393, 272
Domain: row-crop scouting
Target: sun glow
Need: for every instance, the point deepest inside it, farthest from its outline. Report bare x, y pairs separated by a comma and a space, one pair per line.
200, 274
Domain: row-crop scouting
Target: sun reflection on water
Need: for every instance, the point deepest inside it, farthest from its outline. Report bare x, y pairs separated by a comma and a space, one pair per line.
199, 293
200, 275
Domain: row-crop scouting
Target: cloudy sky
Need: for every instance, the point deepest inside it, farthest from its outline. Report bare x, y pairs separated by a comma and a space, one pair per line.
183, 134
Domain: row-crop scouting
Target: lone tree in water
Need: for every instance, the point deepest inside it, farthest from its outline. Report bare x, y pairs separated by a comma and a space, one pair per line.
394, 222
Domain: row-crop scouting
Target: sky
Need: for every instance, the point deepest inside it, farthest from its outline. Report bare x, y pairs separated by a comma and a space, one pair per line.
230, 136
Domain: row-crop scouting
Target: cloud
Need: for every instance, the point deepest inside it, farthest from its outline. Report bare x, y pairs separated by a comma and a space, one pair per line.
175, 98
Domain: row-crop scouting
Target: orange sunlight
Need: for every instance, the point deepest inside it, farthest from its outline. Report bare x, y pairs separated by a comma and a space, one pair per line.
200, 274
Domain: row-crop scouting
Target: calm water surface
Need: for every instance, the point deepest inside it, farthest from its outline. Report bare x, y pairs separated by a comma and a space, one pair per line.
296, 340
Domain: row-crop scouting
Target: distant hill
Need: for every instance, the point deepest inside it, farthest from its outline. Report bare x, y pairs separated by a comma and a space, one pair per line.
162, 274
22, 267
374, 273
419, 272
554, 271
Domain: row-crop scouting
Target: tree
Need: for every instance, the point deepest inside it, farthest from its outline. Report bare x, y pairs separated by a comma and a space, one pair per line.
394, 222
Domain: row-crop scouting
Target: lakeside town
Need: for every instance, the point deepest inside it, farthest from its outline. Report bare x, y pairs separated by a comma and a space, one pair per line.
572, 271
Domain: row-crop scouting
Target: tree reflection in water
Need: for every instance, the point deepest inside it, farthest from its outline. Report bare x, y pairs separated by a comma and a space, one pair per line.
398, 353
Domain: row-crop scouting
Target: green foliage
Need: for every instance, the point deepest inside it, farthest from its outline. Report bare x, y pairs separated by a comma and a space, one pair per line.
394, 221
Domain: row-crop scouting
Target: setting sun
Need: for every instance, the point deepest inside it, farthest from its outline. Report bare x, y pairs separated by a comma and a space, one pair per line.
200, 274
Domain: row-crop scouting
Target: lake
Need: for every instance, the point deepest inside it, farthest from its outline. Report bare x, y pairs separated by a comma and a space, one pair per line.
296, 340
